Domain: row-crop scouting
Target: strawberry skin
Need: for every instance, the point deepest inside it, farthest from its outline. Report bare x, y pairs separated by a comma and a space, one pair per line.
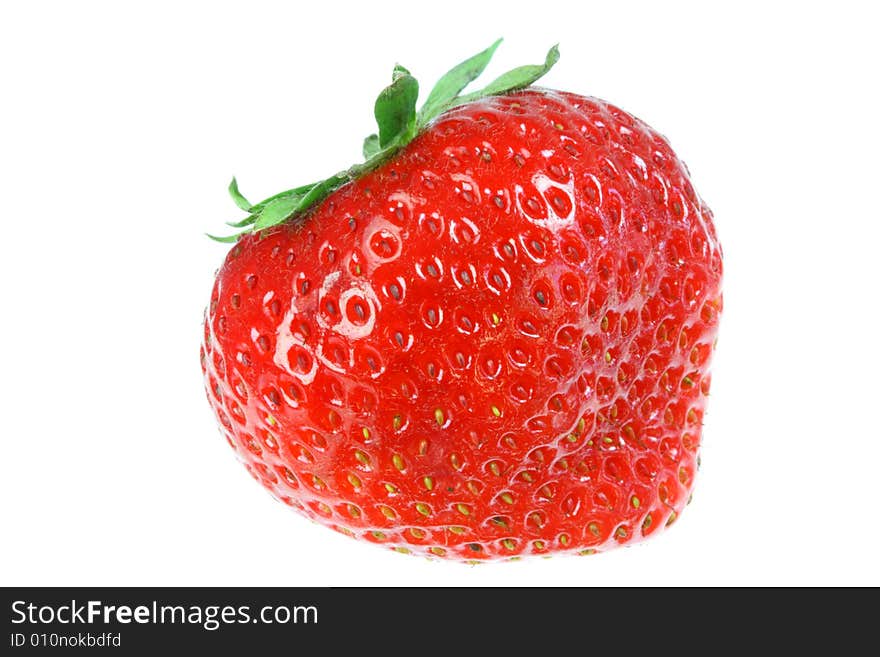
495, 344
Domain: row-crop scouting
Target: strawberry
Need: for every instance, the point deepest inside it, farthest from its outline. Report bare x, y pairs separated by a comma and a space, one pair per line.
491, 339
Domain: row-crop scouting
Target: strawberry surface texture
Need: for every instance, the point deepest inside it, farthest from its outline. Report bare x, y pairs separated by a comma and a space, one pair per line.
494, 343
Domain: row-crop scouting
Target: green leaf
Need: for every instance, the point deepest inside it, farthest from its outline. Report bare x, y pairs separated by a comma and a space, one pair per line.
229, 239
371, 146
452, 83
320, 191
280, 209
247, 221
395, 108
517, 78
296, 191
236, 195
276, 212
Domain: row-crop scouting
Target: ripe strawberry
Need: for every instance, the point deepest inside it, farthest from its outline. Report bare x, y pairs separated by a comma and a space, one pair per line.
491, 339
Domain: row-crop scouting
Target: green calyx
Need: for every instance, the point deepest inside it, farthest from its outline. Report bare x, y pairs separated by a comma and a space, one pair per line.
398, 124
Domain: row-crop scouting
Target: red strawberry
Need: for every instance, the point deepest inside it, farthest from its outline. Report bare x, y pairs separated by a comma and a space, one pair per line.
492, 339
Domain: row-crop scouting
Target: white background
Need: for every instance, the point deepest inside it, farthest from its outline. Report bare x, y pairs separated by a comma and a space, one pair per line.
121, 125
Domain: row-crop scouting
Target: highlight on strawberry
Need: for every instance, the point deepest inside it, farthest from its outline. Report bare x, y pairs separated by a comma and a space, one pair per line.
490, 339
